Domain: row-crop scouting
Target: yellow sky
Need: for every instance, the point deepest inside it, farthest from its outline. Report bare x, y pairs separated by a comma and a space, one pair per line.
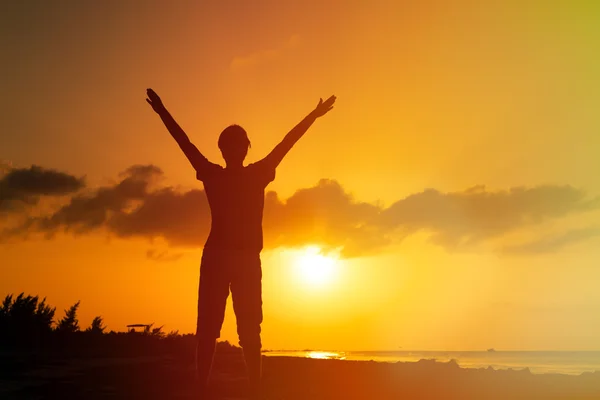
429, 96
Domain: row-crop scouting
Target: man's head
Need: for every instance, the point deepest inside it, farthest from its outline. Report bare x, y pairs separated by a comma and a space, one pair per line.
234, 144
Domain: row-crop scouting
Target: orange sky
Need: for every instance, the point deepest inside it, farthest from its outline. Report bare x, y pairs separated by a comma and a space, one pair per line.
430, 96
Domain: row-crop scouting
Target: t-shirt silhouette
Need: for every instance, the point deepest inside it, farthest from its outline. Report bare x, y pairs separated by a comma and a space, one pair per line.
236, 199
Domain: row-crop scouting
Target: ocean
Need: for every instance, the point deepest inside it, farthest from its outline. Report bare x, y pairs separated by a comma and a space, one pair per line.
538, 362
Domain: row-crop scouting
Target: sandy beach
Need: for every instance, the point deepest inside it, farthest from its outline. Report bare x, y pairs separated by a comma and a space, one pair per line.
290, 378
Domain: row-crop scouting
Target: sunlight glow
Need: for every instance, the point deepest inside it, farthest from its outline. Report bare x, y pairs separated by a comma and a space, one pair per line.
316, 268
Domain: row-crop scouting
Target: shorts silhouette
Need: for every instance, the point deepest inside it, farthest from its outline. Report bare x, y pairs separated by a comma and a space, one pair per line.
222, 271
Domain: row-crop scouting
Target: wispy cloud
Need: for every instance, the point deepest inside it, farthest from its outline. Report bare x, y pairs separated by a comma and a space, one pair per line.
463, 219
163, 256
263, 56
553, 244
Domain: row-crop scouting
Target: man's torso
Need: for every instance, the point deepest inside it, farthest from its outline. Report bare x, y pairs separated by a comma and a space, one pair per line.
236, 199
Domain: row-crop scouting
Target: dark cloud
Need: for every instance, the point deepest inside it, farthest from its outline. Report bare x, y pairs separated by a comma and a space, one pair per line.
463, 219
87, 212
20, 187
182, 219
324, 214
554, 243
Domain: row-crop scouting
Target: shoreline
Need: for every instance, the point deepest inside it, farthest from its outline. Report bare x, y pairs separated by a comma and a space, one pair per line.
539, 362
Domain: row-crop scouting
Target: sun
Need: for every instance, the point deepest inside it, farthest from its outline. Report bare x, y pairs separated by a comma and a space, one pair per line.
316, 268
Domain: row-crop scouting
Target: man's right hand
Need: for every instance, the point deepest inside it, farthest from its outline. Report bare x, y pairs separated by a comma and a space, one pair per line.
324, 107
154, 101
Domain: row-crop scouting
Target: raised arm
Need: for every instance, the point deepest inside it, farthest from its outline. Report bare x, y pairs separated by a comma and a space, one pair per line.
198, 161
277, 154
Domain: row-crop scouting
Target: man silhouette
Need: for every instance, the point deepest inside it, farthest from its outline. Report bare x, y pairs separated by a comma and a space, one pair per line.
231, 255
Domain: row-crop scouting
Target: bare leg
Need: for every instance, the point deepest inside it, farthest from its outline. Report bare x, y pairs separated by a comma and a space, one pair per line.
253, 359
246, 290
205, 352
212, 299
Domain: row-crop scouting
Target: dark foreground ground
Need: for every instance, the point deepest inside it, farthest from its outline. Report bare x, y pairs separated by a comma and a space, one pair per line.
36, 377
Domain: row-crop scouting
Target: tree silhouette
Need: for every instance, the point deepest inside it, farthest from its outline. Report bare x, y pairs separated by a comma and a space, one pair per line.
69, 323
97, 326
24, 319
44, 316
5, 316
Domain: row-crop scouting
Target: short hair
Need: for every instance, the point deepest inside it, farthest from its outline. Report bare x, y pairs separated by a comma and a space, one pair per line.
233, 134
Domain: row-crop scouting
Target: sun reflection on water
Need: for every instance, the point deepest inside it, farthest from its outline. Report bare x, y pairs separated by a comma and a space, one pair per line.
326, 355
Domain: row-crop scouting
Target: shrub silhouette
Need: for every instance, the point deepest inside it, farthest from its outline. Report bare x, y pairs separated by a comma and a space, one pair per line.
157, 332
28, 323
97, 327
70, 323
